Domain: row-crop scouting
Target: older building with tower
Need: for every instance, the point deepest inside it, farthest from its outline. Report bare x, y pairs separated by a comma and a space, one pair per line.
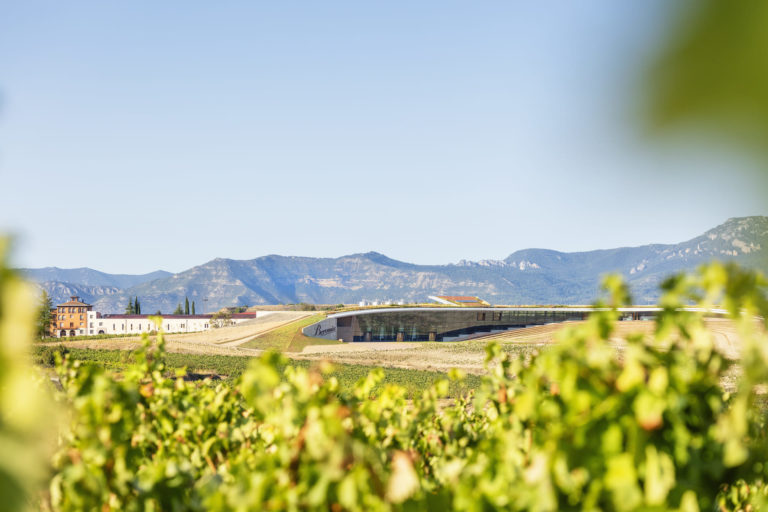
70, 318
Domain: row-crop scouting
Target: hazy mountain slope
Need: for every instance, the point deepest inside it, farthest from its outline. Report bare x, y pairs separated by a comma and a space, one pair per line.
61, 292
531, 276
88, 277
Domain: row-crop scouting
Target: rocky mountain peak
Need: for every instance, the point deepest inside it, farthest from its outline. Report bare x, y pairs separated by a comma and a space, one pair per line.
528, 276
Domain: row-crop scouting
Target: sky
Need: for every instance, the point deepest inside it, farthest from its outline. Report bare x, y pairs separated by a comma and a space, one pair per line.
144, 135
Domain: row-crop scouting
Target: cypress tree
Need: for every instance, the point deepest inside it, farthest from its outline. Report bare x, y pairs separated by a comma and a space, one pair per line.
193, 307
136, 305
186, 305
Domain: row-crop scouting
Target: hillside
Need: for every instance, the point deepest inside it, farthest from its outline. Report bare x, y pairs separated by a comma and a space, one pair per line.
88, 277
531, 276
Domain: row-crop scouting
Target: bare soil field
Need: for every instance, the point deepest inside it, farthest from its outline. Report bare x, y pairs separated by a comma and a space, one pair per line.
469, 355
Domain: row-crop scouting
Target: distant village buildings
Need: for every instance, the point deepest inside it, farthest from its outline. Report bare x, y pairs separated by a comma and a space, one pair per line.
76, 318
364, 303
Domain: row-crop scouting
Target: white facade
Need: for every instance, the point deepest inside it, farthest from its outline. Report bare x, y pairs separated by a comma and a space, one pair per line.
137, 324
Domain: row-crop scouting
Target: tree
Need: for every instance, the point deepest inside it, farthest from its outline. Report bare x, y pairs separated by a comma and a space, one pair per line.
220, 319
138, 306
158, 312
193, 307
178, 310
186, 305
130, 309
44, 315
136, 310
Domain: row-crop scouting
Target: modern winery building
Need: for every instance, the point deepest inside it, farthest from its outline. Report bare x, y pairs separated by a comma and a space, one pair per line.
446, 323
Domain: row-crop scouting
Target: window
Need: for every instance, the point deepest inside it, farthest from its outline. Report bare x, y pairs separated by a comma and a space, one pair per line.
496, 316
81, 317
480, 317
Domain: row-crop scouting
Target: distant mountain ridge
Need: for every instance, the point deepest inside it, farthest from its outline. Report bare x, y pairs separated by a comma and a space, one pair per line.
530, 276
88, 277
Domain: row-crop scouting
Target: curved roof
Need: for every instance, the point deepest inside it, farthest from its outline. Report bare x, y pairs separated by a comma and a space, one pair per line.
581, 309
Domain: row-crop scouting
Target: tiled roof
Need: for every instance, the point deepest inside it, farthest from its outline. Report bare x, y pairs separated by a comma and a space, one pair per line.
73, 303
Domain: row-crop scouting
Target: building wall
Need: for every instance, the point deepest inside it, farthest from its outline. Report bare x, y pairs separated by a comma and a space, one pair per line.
325, 329
70, 318
137, 324
440, 323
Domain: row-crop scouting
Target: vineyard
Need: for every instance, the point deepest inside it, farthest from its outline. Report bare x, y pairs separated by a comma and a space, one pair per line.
578, 426
229, 368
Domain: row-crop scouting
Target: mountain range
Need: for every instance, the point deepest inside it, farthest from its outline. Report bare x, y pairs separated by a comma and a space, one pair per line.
530, 276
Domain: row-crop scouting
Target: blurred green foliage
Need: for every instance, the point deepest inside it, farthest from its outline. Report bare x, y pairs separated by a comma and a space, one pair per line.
27, 417
713, 71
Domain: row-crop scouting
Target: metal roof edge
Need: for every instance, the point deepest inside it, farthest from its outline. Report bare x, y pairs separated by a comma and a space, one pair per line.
530, 309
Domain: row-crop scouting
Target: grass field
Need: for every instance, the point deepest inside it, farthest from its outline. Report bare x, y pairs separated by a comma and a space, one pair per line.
288, 338
229, 368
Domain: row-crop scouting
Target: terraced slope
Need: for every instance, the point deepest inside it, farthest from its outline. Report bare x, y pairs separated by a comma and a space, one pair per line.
288, 337
241, 333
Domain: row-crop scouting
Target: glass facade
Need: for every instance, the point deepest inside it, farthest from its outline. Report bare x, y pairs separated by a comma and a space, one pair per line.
443, 324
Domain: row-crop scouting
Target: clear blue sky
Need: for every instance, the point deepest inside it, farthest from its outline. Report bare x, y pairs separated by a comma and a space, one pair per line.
143, 135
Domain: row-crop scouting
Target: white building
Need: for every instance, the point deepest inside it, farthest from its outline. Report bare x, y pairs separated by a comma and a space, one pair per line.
137, 324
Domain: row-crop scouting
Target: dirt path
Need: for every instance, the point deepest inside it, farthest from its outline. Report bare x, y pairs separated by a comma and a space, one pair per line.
361, 346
